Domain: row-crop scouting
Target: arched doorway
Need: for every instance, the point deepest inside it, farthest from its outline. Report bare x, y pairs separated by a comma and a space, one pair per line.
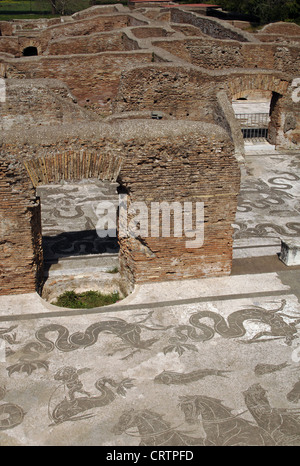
263, 93
252, 109
76, 257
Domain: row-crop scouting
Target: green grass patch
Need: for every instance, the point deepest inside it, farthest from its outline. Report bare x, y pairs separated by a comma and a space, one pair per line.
85, 300
113, 270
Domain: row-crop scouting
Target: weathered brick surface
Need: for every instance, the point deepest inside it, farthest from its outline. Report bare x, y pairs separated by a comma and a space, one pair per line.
279, 38
6, 28
20, 233
210, 26
183, 167
94, 80
287, 29
93, 43
145, 32
9, 45
40, 102
216, 54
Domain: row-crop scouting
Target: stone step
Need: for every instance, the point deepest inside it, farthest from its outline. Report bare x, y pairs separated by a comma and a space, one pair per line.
81, 264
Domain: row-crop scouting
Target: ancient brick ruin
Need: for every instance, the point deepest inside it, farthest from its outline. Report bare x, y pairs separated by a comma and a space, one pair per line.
80, 92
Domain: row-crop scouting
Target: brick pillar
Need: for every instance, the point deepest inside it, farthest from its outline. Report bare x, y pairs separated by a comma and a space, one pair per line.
21, 255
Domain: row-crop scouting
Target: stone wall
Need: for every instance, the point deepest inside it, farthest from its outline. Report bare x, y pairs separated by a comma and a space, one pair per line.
86, 26
146, 32
6, 28
182, 92
279, 38
97, 10
9, 45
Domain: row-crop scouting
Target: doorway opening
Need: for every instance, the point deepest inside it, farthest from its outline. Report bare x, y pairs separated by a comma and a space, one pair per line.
30, 51
253, 111
76, 258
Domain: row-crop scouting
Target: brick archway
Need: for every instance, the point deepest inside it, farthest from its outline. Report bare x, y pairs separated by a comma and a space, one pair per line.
265, 82
73, 165
273, 83
29, 44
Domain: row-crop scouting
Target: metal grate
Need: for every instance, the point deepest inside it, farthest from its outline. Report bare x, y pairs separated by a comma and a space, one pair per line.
254, 125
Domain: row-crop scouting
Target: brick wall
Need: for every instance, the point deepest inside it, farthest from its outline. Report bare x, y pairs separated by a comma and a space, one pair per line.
9, 45
197, 168
39, 102
212, 27
280, 38
93, 79
85, 26
216, 54
6, 28
146, 32
153, 161
20, 243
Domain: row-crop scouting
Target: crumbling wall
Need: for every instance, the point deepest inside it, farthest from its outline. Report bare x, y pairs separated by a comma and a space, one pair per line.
39, 102
215, 54
211, 26
182, 92
6, 28
93, 79
85, 26
9, 44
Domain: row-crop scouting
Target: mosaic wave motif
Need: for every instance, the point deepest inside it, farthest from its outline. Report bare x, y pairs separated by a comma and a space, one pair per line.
272, 198
234, 327
71, 401
32, 354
